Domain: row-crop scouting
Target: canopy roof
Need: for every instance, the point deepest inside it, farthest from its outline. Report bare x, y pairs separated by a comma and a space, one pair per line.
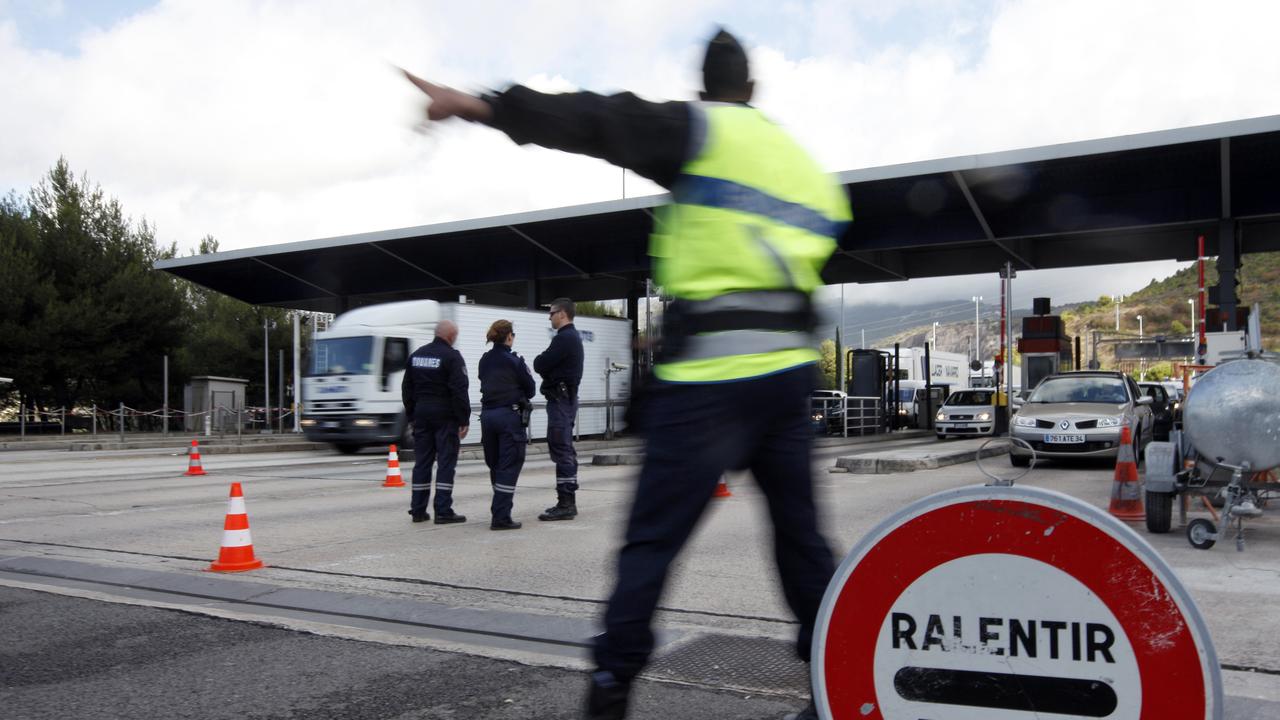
1131, 198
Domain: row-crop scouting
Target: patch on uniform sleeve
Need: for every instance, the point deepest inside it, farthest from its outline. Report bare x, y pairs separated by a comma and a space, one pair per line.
426, 362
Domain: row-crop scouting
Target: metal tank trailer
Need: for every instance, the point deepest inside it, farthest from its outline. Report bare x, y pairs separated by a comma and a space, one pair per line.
1227, 451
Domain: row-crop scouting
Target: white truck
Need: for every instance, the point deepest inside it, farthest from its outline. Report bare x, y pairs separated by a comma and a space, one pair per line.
947, 373
351, 390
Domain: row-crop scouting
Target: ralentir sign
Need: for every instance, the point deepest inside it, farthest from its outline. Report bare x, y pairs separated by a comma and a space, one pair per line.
992, 603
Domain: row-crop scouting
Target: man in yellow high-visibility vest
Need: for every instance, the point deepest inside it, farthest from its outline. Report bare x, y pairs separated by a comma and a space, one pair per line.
752, 221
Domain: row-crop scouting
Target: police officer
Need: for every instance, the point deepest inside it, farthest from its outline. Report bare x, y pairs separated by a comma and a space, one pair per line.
434, 391
560, 366
505, 388
752, 222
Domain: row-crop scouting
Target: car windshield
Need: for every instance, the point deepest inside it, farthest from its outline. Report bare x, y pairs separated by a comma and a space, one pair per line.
1086, 389
906, 395
343, 356
970, 397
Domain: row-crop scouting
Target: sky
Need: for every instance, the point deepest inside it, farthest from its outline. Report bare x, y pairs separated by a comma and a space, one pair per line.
268, 122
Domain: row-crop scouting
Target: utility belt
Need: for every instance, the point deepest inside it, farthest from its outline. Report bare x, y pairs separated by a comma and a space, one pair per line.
559, 390
741, 323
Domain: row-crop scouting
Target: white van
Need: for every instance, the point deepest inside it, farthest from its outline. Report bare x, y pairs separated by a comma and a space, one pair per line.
351, 390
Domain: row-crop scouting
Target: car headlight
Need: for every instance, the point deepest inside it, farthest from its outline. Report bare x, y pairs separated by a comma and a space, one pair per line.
1024, 421
940, 416
817, 417
366, 422
902, 411
1111, 421
983, 417
307, 423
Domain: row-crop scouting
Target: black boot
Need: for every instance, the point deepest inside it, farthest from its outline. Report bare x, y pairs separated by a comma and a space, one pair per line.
419, 517
563, 510
606, 697
449, 517
507, 524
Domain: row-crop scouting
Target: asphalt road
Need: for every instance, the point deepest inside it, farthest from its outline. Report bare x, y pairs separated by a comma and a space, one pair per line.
67, 658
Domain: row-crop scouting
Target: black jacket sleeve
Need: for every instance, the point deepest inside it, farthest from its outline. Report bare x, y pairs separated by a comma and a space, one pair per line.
648, 138
458, 390
525, 377
555, 354
406, 390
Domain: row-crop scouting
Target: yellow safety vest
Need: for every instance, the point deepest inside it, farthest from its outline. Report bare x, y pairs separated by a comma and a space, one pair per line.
752, 215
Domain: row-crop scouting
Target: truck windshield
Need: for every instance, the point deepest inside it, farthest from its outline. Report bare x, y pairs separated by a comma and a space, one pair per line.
343, 356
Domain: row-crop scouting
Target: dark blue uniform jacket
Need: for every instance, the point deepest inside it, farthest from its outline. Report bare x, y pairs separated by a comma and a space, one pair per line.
561, 361
435, 384
504, 378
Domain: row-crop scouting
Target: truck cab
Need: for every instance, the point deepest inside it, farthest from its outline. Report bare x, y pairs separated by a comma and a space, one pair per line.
351, 390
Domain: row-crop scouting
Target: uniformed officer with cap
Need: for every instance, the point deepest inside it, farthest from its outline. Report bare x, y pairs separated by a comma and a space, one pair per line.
752, 222
560, 366
505, 388
434, 391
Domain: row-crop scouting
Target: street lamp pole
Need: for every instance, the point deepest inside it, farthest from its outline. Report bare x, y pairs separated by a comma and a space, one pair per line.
1119, 299
1139, 327
1142, 364
933, 341
977, 345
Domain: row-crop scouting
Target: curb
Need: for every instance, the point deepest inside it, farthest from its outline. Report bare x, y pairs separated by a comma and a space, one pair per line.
872, 465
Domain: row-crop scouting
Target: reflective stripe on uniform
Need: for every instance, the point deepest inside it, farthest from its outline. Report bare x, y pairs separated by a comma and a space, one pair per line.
729, 195
742, 342
444, 486
421, 487
504, 488
778, 301
566, 481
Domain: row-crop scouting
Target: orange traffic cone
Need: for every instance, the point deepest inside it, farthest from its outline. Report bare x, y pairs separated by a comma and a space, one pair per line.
722, 489
1126, 491
193, 462
393, 470
236, 554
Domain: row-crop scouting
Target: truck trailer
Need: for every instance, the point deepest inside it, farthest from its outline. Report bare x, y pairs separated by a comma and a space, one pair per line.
351, 390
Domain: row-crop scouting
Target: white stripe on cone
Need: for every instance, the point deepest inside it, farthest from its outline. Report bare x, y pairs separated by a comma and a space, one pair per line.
235, 506
236, 538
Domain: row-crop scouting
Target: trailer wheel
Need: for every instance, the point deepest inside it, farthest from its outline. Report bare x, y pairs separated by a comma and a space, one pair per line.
1202, 534
1159, 511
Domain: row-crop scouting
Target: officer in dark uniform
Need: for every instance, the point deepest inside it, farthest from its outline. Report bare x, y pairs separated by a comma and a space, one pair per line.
505, 388
434, 392
739, 249
560, 366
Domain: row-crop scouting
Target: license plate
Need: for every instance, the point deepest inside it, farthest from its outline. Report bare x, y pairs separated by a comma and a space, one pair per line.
1064, 439
330, 424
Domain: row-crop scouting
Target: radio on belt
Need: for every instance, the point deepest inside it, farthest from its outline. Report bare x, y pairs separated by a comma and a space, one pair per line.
1005, 603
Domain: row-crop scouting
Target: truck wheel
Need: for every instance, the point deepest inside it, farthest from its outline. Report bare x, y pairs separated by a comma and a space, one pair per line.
1200, 533
1159, 511
347, 448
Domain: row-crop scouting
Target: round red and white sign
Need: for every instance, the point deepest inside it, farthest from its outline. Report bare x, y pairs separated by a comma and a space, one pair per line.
1009, 603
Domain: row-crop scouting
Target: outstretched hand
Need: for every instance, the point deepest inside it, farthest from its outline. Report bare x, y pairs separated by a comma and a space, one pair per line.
445, 102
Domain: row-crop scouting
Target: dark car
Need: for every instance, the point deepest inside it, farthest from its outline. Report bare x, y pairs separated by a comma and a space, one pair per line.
827, 408
1162, 408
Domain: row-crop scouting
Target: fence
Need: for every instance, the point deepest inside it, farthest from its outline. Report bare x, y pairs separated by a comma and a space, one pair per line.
844, 416
123, 419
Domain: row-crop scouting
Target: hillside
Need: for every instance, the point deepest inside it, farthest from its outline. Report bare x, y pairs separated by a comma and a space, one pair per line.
1162, 305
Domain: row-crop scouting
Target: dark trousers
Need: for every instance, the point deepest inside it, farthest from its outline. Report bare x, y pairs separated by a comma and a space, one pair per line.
504, 441
560, 418
695, 434
434, 442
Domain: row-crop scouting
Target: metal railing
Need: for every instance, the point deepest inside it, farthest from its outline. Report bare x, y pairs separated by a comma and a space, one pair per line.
123, 418
855, 415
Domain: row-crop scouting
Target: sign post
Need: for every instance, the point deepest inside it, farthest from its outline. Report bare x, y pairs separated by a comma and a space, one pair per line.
1006, 603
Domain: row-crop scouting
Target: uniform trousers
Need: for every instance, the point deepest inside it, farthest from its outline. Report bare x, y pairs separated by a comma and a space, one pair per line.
696, 432
504, 441
435, 441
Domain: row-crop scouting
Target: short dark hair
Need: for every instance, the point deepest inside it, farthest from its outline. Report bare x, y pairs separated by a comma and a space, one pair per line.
725, 72
564, 304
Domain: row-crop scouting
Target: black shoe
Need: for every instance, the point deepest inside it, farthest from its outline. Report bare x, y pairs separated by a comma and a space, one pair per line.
419, 517
809, 713
607, 697
560, 512
450, 518
507, 524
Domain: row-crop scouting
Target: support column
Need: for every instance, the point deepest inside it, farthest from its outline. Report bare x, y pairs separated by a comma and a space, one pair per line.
531, 296
1228, 264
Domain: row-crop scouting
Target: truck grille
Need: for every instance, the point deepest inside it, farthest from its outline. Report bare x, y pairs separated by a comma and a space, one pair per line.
331, 405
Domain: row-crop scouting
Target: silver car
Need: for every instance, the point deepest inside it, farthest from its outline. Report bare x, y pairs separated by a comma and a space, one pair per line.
966, 412
1081, 415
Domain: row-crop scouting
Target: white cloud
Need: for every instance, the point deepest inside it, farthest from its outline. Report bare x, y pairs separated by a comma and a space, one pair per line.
262, 123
